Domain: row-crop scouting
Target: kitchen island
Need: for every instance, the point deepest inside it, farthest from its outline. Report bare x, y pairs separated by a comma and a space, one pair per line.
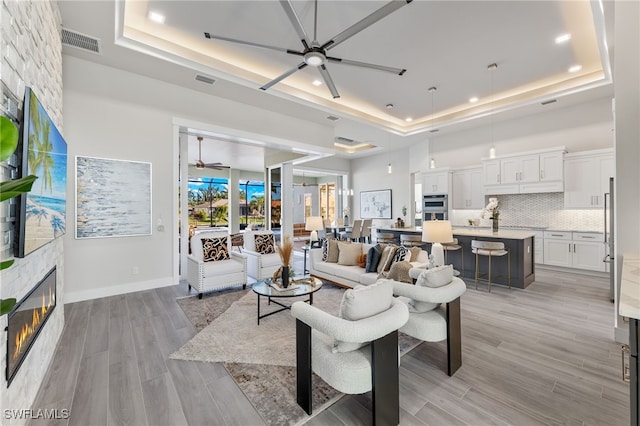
519, 243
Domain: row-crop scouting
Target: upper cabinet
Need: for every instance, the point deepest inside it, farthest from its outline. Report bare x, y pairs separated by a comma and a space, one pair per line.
436, 182
528, 173
467, 190
587, 178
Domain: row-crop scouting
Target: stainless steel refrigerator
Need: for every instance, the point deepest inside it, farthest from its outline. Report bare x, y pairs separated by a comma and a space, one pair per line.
609, 222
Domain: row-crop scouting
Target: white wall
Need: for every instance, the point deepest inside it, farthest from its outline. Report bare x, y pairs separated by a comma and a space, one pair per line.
115, 114
579, 128
370, 173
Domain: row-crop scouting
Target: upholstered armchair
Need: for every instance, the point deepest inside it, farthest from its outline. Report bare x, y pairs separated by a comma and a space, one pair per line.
212, 265
263, 259
434, 309
354, 353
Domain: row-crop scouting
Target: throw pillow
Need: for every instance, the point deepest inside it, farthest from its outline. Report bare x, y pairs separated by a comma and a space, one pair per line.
362, 260
400, 254
348, 253
387, 258
363, 302
373, 258
265, 243
215, 249
325, 248
436, 277
415, 252
332, 251
399, 271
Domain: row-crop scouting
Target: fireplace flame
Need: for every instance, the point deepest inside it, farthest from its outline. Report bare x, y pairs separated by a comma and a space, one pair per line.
38, 314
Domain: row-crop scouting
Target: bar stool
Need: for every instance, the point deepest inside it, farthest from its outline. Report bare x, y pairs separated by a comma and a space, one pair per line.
490, 249
411, 240
385, 237
453, 246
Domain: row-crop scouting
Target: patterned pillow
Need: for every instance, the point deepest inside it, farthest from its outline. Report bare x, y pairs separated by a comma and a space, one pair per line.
325, 248
400, 254
265, 243
215, 249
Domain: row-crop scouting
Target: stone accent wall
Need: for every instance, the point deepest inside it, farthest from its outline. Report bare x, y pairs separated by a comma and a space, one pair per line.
31, 55
538, 210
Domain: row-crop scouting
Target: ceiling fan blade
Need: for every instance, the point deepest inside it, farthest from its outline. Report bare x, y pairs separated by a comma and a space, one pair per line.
328, 81
248, 43
283, 76
365, 22
295, 21
398, 71
216, 166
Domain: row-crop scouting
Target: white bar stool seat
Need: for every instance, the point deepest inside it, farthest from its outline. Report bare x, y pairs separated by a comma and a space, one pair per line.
489, 249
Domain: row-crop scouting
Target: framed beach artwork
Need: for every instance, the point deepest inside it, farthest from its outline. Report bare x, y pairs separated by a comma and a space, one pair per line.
113, 198
41, 213
375, 204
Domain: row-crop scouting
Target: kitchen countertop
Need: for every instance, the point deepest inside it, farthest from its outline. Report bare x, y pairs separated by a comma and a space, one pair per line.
510, 234
630, 286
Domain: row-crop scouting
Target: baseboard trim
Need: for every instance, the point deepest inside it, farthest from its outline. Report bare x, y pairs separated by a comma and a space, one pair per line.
97, 293
573, 270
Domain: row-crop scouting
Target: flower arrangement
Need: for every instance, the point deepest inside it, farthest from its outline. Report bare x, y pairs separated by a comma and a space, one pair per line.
491, 210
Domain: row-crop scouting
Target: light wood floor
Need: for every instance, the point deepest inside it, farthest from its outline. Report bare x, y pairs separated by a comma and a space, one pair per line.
544, 355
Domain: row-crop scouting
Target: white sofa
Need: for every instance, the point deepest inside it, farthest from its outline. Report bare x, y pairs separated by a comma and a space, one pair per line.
259, 266
350, 276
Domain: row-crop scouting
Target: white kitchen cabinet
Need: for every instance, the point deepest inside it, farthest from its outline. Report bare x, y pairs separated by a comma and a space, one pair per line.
467, 191
551, 166
534, 172
587, 178
522, 169
580, 250
491, 172
436, 182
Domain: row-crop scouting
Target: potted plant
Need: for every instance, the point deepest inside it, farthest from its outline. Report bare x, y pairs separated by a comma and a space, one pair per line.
11, 188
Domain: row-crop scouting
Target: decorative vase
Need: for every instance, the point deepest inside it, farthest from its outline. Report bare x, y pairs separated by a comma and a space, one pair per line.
495, 225
346, 220
285, 276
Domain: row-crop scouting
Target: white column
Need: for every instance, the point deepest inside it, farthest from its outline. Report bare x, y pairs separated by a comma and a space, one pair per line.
233, 213
286, 177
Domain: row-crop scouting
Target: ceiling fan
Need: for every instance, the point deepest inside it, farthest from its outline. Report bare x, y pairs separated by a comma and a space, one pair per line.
201, 164
314, 53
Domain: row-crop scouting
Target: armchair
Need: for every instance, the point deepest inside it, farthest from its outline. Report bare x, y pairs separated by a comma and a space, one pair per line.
225, 268
353, 368
259, 265
428, 319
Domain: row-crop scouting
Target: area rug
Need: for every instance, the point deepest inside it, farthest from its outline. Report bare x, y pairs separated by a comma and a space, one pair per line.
260, 358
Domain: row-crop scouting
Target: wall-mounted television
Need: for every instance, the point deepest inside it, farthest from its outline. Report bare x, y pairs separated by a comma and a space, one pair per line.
41, 215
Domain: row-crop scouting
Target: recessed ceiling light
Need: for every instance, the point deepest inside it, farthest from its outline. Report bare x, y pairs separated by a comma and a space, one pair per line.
575, 68
563, 38
408, 119
156, 17
317, 83
389, 106
473, 99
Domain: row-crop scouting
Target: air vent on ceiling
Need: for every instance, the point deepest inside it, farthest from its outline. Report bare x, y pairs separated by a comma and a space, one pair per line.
346, 141
550, 101
81, 41
333, 118
204, 79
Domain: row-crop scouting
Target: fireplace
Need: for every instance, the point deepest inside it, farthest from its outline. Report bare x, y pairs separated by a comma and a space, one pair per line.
27, 319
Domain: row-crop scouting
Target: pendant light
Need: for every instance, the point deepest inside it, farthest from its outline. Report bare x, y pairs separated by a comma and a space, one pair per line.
492, 67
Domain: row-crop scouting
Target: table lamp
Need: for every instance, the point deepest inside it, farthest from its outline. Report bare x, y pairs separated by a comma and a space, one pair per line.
437, 232
314, 224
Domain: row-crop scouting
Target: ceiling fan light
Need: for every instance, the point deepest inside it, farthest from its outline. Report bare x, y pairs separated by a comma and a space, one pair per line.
314, 59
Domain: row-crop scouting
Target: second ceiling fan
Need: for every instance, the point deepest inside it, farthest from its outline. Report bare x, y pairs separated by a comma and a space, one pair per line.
201, 164
314, 53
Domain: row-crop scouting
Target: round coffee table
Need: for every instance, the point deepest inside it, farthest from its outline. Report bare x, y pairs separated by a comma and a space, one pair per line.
263, 288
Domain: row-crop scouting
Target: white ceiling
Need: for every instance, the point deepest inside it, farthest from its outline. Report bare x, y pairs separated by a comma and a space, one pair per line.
446, 44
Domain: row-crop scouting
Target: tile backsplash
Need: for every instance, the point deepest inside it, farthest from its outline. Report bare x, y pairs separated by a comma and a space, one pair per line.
537, 211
